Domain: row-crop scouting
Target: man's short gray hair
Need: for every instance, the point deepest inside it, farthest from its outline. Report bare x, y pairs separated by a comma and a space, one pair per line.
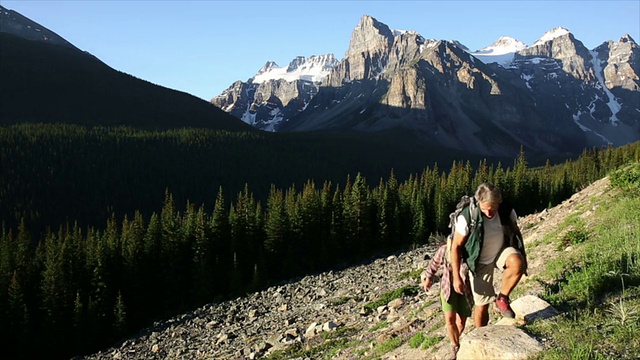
489, 194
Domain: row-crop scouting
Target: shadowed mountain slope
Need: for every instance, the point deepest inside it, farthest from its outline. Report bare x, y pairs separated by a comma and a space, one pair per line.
48, 83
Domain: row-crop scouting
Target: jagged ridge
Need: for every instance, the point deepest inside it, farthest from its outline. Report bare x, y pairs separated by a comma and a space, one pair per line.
553, 97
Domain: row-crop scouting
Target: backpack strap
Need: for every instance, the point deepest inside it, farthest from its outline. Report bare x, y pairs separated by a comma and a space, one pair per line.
473, 214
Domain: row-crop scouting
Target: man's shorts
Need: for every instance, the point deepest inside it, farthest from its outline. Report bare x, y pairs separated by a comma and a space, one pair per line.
482, 281
457, 303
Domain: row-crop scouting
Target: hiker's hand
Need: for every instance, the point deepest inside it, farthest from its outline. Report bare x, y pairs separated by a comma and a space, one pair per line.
458, 285
426, 285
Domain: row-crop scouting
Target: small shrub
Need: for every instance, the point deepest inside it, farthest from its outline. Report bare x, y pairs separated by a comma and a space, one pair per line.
416, 340
341, 301
575, 237
627, 178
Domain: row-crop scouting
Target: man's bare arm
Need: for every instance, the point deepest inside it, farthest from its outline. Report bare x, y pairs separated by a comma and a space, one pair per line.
456, 256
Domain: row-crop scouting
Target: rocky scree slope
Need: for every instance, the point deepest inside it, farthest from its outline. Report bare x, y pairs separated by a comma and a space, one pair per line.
331, 305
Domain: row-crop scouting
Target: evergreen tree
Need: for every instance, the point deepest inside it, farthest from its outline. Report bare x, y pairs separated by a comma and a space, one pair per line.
222, 245
18, 319
120, 317
203, 259
276, 228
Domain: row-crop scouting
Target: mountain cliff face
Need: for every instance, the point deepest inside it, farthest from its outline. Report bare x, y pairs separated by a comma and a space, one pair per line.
553, 97
276, 94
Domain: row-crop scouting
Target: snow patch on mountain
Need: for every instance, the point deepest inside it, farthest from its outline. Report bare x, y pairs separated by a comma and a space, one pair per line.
613, 104
576, 120
501, 51
313, 69
551, 34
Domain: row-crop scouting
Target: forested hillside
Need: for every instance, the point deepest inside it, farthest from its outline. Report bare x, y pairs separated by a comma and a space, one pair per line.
74, 288
58, 173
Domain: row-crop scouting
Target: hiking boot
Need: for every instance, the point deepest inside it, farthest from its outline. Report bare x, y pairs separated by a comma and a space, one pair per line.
502, 303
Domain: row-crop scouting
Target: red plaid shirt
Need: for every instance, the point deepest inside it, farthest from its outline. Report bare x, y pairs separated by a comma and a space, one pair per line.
438, 260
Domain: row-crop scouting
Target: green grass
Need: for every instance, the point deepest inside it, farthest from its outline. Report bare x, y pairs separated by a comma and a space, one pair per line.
384, 347
430, 341
596, 285
341, 301
334, 341
416, 340
413, 274
627, 178
421, 340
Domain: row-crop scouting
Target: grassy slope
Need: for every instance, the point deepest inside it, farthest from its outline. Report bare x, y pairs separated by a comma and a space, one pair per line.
595, 284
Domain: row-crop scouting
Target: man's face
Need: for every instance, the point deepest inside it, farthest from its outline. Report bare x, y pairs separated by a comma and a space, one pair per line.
489, 210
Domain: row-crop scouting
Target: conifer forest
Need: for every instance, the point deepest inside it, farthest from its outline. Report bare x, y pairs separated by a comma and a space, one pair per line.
88, 255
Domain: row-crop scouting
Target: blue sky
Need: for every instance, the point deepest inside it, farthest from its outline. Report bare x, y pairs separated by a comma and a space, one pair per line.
202, 47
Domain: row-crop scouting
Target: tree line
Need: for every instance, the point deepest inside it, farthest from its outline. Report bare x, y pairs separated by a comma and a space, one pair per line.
76, 289
51, 174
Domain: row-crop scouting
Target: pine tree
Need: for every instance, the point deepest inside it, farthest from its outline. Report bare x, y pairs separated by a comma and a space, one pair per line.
221, 239
18, 314
276, 227
171, 256
203, 259
120, 317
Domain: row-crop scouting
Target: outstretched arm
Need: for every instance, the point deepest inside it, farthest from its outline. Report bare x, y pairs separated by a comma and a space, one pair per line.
432, 269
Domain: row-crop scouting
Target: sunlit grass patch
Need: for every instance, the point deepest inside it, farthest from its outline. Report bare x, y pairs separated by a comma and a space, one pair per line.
596, 285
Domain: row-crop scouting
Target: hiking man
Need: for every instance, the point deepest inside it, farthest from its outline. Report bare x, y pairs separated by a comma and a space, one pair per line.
456, 307
485, 240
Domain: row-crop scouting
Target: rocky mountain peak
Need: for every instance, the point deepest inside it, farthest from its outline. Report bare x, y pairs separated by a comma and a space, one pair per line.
552, 34
460, 45
313, 69
501, 51
276, 93
299, 60
369, 36
503, 45
619, 62
322, 63
267, 67
561, 45
626, 38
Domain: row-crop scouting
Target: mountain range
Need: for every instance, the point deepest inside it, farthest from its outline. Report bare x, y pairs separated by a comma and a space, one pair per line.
553, 97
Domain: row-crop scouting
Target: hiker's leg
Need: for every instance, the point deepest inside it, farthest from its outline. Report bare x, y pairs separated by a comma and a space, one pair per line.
449, 308
483, 293
452, 327
511, 262
481, 315
461, 321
